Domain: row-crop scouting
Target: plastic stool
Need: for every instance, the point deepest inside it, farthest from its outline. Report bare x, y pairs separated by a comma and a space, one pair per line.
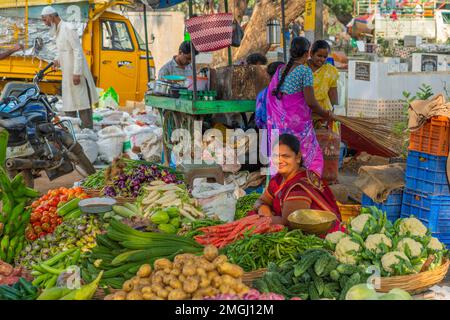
209, 171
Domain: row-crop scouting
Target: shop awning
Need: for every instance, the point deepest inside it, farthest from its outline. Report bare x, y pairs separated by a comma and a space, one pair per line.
161, 4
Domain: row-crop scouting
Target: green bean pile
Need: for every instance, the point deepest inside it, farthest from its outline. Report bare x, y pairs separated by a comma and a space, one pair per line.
245, 204
256, 251
95, 181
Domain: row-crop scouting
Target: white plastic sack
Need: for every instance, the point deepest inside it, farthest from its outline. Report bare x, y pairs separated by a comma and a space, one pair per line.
216, 199
110, 142
88, 140
76, 122
90, 148
137, 134
152, 147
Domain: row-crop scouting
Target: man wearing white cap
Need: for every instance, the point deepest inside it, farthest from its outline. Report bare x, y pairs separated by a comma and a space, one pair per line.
78, 87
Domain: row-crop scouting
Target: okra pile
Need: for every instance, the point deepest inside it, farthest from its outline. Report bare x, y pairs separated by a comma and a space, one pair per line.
15, 215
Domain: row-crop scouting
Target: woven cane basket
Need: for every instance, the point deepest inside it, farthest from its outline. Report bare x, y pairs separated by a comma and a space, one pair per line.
93, 193
415, 283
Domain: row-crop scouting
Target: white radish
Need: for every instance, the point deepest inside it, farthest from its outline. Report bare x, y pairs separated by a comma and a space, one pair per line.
187, 215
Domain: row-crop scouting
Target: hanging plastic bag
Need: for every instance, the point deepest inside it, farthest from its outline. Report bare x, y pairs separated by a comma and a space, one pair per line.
238, 34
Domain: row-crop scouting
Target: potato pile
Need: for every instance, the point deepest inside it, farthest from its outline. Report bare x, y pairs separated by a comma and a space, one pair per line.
187, 277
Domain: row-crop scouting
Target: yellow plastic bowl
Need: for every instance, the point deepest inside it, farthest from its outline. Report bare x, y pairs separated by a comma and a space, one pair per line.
311, 221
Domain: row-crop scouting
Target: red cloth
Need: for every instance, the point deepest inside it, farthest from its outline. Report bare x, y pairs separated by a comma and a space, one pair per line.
303, 186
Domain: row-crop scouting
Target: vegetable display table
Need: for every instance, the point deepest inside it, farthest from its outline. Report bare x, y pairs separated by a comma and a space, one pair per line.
182, 113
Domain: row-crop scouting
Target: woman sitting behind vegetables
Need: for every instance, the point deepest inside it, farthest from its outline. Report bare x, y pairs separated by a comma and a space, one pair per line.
294, 187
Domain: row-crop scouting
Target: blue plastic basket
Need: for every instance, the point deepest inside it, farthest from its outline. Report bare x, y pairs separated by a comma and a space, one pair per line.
392, 206
432, 210
259, 189
426, 173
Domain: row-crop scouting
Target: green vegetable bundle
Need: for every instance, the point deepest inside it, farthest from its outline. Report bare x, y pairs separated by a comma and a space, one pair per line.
122, 250
315, 275
21, 290
191, 229
245, 204
258, 250
95, 181
15, 215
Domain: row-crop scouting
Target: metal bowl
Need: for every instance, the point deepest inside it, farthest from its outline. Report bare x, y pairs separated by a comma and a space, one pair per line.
96, 205
316, 222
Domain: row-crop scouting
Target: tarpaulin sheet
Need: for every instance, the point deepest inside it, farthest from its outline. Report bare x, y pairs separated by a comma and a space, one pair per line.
12, 27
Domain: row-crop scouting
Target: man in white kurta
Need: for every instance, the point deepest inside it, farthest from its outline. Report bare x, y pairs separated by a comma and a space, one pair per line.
79, 92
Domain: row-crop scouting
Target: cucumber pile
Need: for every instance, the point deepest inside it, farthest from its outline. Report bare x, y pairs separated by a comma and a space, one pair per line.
315, 275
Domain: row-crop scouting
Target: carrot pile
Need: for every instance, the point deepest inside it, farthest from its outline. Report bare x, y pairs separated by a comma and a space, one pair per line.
224, 234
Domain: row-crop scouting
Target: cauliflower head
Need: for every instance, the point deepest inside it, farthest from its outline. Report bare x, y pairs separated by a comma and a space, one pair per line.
392, 258
374, 240
412, 226
435, 244
345, 249
414, 247
334, 237
357, 224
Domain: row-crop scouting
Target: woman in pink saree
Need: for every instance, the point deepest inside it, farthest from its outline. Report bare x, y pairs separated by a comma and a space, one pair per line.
291, 102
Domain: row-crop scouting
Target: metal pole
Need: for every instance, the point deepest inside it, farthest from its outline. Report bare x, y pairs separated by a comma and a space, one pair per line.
230, 55
194, 66
147, 54
283, 30
26, 25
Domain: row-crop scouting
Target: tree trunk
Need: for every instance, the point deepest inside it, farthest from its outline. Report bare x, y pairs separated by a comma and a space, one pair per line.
344, 18
255, 32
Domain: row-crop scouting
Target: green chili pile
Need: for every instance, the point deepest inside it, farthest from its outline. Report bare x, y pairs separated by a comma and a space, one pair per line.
245, 204
256, 251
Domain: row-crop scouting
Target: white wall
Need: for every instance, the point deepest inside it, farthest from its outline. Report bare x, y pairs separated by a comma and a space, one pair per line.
168, 30
390, 86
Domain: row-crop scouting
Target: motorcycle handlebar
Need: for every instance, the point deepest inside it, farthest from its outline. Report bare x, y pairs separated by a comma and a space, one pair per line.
41, 73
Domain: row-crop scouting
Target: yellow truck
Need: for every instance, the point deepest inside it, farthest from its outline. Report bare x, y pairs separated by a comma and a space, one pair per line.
114, 51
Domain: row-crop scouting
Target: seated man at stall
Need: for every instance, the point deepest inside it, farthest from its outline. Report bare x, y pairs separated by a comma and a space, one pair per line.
256, 59
293, 187
179, 65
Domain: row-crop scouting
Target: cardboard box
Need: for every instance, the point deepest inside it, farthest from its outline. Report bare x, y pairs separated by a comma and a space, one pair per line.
131, 106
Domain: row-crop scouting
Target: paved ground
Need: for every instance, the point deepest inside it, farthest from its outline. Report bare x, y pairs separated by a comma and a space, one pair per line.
43, 184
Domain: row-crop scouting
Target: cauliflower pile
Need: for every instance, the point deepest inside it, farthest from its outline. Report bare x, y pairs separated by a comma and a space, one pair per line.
413, 227
346, 249
390, 259
435, 244
397, 249
414, 247
374, 241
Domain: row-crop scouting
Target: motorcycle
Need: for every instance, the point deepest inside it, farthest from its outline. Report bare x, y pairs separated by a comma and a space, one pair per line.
38, 139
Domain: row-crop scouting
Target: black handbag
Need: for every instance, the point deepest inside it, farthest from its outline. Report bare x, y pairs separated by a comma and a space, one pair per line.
238, 34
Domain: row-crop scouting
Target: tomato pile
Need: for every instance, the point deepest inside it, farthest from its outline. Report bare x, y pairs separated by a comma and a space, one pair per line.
44, 218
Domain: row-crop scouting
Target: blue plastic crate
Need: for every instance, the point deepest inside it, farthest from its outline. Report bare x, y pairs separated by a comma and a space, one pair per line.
432, 210
426, 173
392, 206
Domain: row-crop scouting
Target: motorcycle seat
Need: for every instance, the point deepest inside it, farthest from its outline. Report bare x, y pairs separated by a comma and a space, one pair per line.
16, 123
